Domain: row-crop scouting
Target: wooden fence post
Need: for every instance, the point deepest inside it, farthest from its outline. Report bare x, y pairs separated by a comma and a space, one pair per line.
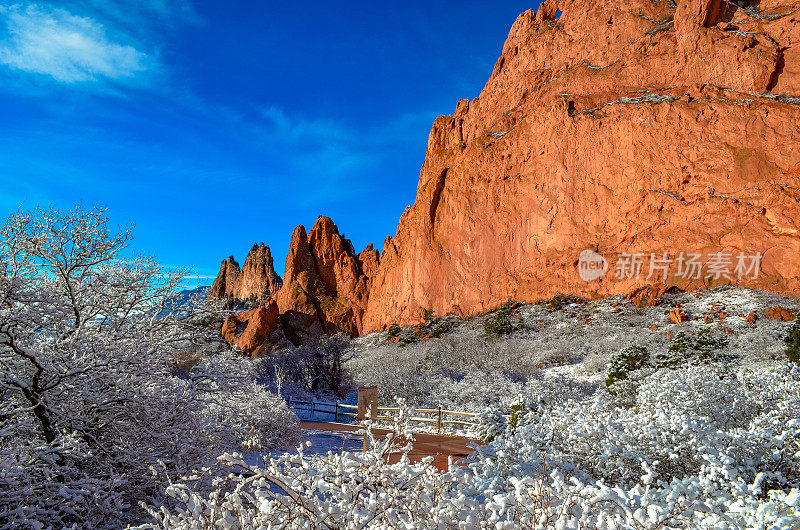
367, 408
439, 421
312, 408
336, 413
367, 402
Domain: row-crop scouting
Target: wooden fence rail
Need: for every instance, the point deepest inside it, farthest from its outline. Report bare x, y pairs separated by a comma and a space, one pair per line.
338, 411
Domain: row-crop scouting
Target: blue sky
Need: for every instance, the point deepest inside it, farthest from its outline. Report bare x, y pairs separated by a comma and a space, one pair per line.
214, 125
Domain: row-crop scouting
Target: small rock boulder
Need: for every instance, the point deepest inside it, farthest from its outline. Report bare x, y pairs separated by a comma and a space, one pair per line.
678, 315
255, 332
780, 313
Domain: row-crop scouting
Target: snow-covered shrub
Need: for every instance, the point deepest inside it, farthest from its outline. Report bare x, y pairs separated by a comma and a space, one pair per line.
682, 420
92, 391
488, 425
227, 385
579, 465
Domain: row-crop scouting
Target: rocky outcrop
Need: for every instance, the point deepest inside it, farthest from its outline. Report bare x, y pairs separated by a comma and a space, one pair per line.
678, 315
779, 313
327, 284
225, 283
256, 332
634, 134
650, 295
639, 127
257, 278
326, 289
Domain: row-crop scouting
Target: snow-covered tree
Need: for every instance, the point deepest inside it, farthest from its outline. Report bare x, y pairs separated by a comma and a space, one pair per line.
104, 372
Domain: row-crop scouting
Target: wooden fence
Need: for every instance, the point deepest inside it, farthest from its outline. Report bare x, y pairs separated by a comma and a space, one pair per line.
338, 410
439, 416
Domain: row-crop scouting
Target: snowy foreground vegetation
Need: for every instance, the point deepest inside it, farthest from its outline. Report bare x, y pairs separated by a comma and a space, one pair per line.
107, 377
120, 406
700, 430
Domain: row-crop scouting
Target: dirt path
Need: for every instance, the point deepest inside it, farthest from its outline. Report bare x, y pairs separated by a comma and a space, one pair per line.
440, 447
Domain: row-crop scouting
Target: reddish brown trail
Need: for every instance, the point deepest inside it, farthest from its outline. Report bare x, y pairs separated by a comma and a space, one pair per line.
440, 447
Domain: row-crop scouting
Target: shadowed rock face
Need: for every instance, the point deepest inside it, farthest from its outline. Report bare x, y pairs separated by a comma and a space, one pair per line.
643, 126
256, 278
225, 283
635, 126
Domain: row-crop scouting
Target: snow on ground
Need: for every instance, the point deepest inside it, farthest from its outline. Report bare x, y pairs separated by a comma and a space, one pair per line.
561, 352
705, 442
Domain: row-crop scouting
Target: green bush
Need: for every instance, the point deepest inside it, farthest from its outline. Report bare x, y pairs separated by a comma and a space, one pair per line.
557, 302
504, 321
678, 353
393, 331
407, 337
428, 315
440, 329
702, 348
706, 346
518, 409
793, 342
628, 360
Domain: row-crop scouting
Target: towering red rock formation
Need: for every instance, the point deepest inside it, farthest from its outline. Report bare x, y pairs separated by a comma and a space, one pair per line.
327, 284
258, 274
256, 278
622, 127
225, 283
632, 127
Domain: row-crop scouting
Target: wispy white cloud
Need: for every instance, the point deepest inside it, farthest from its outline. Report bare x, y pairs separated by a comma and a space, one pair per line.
140, 13
66, 47
293, 128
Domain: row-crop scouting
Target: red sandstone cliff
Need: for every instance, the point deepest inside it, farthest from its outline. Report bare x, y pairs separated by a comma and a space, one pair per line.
633, 126
256, 278
642, 126
327, 284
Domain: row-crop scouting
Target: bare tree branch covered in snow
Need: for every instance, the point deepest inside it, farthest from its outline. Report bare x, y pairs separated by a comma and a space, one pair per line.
91, 395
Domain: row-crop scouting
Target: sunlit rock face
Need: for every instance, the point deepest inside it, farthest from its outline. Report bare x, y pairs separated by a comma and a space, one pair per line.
616, 127
615, 145
327, 283
257, 278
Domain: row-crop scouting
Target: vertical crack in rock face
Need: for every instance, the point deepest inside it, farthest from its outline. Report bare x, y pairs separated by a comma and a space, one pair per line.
437, 194
779, 66
624, 115
709, 11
